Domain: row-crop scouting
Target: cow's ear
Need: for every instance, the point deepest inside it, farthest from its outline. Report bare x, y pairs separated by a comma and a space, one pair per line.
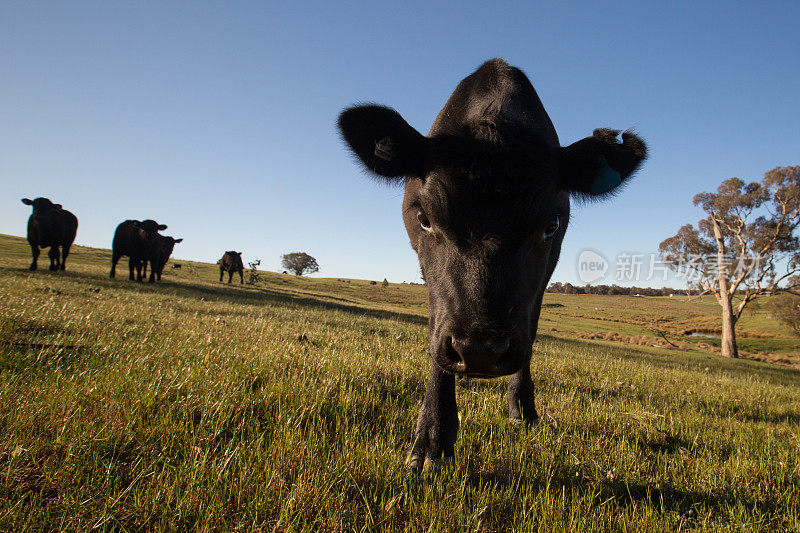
178, 240
239, 254
27, 201
596, 165
162, 227
383, 141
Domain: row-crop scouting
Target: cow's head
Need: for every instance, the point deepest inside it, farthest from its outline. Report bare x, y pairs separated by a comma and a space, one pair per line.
165, 246
486, 206
148, 230
41, 206
168, 244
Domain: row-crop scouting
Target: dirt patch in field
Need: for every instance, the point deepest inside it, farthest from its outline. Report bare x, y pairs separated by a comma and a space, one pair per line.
638, 340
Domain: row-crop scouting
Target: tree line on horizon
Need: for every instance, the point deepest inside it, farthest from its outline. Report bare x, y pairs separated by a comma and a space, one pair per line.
614, 290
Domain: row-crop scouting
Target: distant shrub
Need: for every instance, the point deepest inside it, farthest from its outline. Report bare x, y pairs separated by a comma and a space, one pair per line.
253, 275
385, 282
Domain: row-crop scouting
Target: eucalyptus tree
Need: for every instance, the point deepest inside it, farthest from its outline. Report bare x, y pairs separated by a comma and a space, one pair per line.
745, 247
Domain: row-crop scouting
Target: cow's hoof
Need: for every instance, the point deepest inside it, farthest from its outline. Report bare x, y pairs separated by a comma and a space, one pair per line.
418, 463
32, 267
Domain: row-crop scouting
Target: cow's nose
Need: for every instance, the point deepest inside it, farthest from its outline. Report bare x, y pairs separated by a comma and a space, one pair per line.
479, 355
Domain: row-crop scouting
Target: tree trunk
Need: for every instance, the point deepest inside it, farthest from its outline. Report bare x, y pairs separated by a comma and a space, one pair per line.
729, 348
724, 297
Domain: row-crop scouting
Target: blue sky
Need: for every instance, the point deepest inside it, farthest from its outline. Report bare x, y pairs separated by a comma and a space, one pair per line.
218, 119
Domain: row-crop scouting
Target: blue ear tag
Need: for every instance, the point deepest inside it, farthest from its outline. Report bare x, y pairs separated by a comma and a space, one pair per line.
606, 179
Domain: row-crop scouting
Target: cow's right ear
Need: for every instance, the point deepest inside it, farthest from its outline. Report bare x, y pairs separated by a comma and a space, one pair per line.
162, 227
595, 166
383, 141
26, 201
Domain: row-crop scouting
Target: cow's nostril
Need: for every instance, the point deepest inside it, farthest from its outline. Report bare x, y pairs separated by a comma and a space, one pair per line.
498, 347
506, 360
453, 356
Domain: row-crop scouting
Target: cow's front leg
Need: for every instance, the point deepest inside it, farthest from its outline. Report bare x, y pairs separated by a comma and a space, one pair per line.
521, 406
55, 257
35, 254
434, 438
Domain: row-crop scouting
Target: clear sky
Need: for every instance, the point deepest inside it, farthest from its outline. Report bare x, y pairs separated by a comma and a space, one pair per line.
218, 118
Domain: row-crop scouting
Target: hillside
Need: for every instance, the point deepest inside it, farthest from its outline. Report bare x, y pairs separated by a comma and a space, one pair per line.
288, 405
688, 322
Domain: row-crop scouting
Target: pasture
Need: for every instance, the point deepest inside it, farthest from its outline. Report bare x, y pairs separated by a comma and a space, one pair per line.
192, 404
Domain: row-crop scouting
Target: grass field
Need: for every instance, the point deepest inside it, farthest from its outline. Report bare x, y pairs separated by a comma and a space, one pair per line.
192, 404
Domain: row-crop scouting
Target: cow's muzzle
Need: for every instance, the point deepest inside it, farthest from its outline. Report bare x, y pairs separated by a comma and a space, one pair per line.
481, 357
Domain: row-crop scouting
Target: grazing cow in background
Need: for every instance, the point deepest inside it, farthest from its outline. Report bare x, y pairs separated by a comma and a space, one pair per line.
50, 226
486, 205
160, 256
231, 262
136, 240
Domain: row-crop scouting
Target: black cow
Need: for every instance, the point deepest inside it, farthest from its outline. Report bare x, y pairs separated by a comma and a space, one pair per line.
137, 240
160, 256
231, 262
486, 205
50, 226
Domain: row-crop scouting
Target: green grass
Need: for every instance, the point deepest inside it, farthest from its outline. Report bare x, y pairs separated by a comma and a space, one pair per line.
194, 405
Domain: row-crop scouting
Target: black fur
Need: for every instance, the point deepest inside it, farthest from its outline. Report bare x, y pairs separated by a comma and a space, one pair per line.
50, 226
231, 262
139, 241
486, 205
159, 256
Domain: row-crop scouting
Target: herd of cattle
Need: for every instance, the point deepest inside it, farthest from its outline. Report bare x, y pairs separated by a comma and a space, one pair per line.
52, 226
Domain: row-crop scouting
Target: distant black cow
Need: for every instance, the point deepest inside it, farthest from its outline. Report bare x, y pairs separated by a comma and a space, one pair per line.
486, 205
50, 226
160, 256
137, 240
231, 262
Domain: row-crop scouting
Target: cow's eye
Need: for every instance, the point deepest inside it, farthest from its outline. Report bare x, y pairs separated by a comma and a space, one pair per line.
552, 227
423, 219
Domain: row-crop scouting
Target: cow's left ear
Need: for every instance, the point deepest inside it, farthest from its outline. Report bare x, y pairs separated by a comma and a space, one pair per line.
596, 165
27, 201
162, 227
178, 240
383, 141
